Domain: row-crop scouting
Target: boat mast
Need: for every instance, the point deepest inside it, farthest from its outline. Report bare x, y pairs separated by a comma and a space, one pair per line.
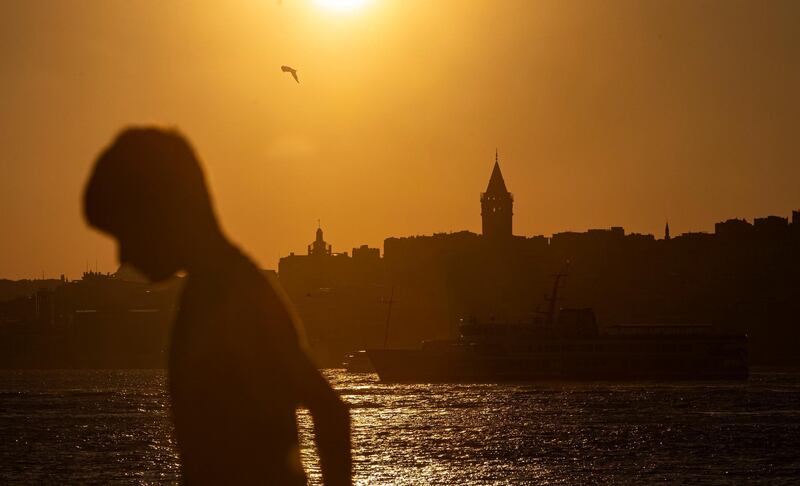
388, 316
551, 308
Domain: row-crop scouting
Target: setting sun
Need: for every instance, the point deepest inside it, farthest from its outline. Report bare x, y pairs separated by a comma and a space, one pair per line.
341, 5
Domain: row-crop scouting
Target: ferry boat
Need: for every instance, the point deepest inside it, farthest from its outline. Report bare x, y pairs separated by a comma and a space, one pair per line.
568, 345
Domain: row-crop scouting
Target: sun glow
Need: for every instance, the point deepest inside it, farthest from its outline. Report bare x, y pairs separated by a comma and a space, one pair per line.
342, 6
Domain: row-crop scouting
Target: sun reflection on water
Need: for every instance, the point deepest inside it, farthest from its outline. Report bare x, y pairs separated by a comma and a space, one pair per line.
113, 426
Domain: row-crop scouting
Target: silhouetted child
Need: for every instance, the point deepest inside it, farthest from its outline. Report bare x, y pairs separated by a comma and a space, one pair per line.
237, 371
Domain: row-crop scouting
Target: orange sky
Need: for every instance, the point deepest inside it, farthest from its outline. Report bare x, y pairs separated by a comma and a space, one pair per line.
605, 113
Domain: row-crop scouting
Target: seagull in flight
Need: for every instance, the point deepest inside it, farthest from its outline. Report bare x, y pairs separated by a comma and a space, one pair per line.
293, 71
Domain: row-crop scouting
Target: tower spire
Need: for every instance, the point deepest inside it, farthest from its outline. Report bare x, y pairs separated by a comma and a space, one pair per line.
496, 204
496, 183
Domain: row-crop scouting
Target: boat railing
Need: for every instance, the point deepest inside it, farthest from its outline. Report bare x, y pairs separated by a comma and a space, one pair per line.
658, 330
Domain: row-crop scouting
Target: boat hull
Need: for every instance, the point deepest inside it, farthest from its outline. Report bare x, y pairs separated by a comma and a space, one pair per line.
466, 365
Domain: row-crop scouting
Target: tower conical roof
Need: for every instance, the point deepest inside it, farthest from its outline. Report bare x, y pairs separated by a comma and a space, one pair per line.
496, 183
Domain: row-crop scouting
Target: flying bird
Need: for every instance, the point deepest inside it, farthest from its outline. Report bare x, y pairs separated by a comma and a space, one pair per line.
288, 69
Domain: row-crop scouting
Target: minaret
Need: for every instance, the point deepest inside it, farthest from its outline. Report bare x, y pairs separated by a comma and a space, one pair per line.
666, 231
496, 205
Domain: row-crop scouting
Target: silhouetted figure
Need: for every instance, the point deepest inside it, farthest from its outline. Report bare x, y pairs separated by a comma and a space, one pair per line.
291, 70
237, 370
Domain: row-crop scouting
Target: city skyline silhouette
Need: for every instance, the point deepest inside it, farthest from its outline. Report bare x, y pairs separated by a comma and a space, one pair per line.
496, 217
341, 294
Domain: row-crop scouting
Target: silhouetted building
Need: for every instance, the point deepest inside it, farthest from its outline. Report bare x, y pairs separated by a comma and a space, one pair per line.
694, 236
45, 306
666, 231
99, 321
639, 238
497, 206
364, 252
339, 298
417, 250
320, 268
771, 226
592, 240
319, 247
733, 228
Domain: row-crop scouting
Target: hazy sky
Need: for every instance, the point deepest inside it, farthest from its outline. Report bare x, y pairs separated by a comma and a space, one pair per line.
605, 113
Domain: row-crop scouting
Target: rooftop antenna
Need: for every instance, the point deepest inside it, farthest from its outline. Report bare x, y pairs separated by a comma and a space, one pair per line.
496, 157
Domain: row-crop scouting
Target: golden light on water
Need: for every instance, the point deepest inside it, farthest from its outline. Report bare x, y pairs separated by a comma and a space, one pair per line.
342, 6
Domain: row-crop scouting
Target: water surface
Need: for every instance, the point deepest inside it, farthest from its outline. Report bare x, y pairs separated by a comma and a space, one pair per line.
113, 426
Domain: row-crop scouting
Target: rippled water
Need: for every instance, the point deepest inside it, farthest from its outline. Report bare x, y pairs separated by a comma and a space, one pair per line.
113, 426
